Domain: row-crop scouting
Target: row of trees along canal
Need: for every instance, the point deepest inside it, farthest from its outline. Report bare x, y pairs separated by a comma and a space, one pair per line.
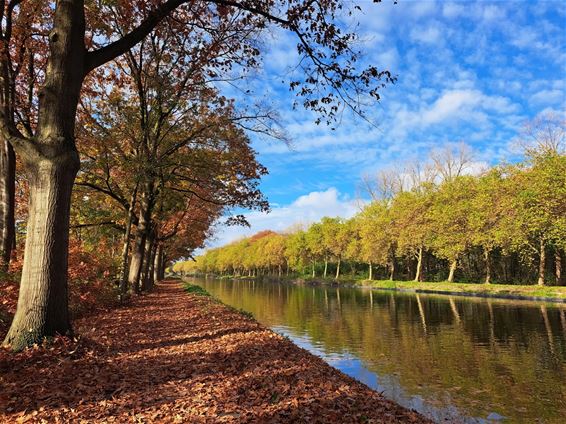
430, 222
133, 87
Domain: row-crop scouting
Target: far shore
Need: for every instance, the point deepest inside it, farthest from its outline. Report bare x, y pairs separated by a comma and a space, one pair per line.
555, 294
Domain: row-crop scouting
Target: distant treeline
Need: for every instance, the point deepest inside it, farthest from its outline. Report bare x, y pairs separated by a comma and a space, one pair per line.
506, 225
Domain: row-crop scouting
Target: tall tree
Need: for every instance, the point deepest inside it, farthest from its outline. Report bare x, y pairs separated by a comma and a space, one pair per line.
51, 159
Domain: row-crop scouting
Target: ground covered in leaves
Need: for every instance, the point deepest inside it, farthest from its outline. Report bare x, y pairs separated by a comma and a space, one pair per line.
176, 357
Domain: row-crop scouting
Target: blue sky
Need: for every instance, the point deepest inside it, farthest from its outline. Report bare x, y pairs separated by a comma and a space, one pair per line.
471, 71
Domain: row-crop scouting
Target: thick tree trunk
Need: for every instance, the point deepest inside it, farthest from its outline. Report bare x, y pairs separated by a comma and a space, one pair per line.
558, 266
136, 262
43, 299
453, 266
142, 233
7, 202
418, 272
338, 269
52, 162
487, 256
542, 263
370, 268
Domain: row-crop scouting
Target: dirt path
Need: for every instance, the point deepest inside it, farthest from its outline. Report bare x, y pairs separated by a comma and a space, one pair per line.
173, 357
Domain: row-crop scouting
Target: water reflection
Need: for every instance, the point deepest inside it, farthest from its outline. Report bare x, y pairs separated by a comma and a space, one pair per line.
445, 356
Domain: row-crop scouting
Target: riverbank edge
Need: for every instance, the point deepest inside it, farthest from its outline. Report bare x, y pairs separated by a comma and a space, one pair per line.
373, 400
486, 291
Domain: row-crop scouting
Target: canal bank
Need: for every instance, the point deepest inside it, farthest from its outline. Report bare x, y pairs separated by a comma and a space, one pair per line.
452, 358
177, 357
554, 294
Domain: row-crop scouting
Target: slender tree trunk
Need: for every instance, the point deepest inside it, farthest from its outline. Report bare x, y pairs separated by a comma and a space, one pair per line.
7, 202
487, 255
542, 263
158, 263
453, 266
147, 272
150, 278
338, 268
392, 269
558, 266
126, 246
325, 267
418, 272
313, 274
370, 268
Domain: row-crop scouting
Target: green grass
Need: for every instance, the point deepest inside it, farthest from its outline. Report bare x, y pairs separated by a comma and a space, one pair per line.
494, 289
197, 290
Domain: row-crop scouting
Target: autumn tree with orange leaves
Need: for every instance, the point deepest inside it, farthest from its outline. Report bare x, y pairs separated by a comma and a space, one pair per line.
80, 40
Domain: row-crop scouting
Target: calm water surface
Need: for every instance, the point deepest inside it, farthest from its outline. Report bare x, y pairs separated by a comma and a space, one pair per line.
454, 359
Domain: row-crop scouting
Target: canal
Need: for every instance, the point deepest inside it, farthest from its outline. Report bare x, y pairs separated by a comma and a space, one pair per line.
454, 359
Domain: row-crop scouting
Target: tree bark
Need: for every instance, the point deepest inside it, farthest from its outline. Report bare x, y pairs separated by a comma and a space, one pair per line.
42, 309
338, 269
158, 263
313, 274
142, 233
542, 262
7, 202
325, 267
370, 268
126, 246
52, 163
453, 266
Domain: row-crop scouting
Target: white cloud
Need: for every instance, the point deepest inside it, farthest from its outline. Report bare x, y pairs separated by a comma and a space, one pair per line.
305, 209
549, 97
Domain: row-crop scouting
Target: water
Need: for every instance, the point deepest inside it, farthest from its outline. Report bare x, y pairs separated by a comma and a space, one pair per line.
454, 359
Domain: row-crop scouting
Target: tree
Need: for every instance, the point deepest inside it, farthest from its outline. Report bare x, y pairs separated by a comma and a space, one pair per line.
51, 157
377, 237
449, 215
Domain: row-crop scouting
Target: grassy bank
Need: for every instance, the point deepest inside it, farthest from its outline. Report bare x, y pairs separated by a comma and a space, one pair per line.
534, 292
472, 289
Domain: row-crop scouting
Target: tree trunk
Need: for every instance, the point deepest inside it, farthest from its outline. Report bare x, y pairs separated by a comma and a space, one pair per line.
370, 268
136, 263
52, 163
418, 272
7, 202
126, 246
542, 263
325, 267
313, 274
392, 268
158, 263
338, 269
147, 271
487, 256
43, 299
558, 266
453, 266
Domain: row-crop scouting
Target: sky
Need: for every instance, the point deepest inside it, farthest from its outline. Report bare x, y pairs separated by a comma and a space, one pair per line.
467, 71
